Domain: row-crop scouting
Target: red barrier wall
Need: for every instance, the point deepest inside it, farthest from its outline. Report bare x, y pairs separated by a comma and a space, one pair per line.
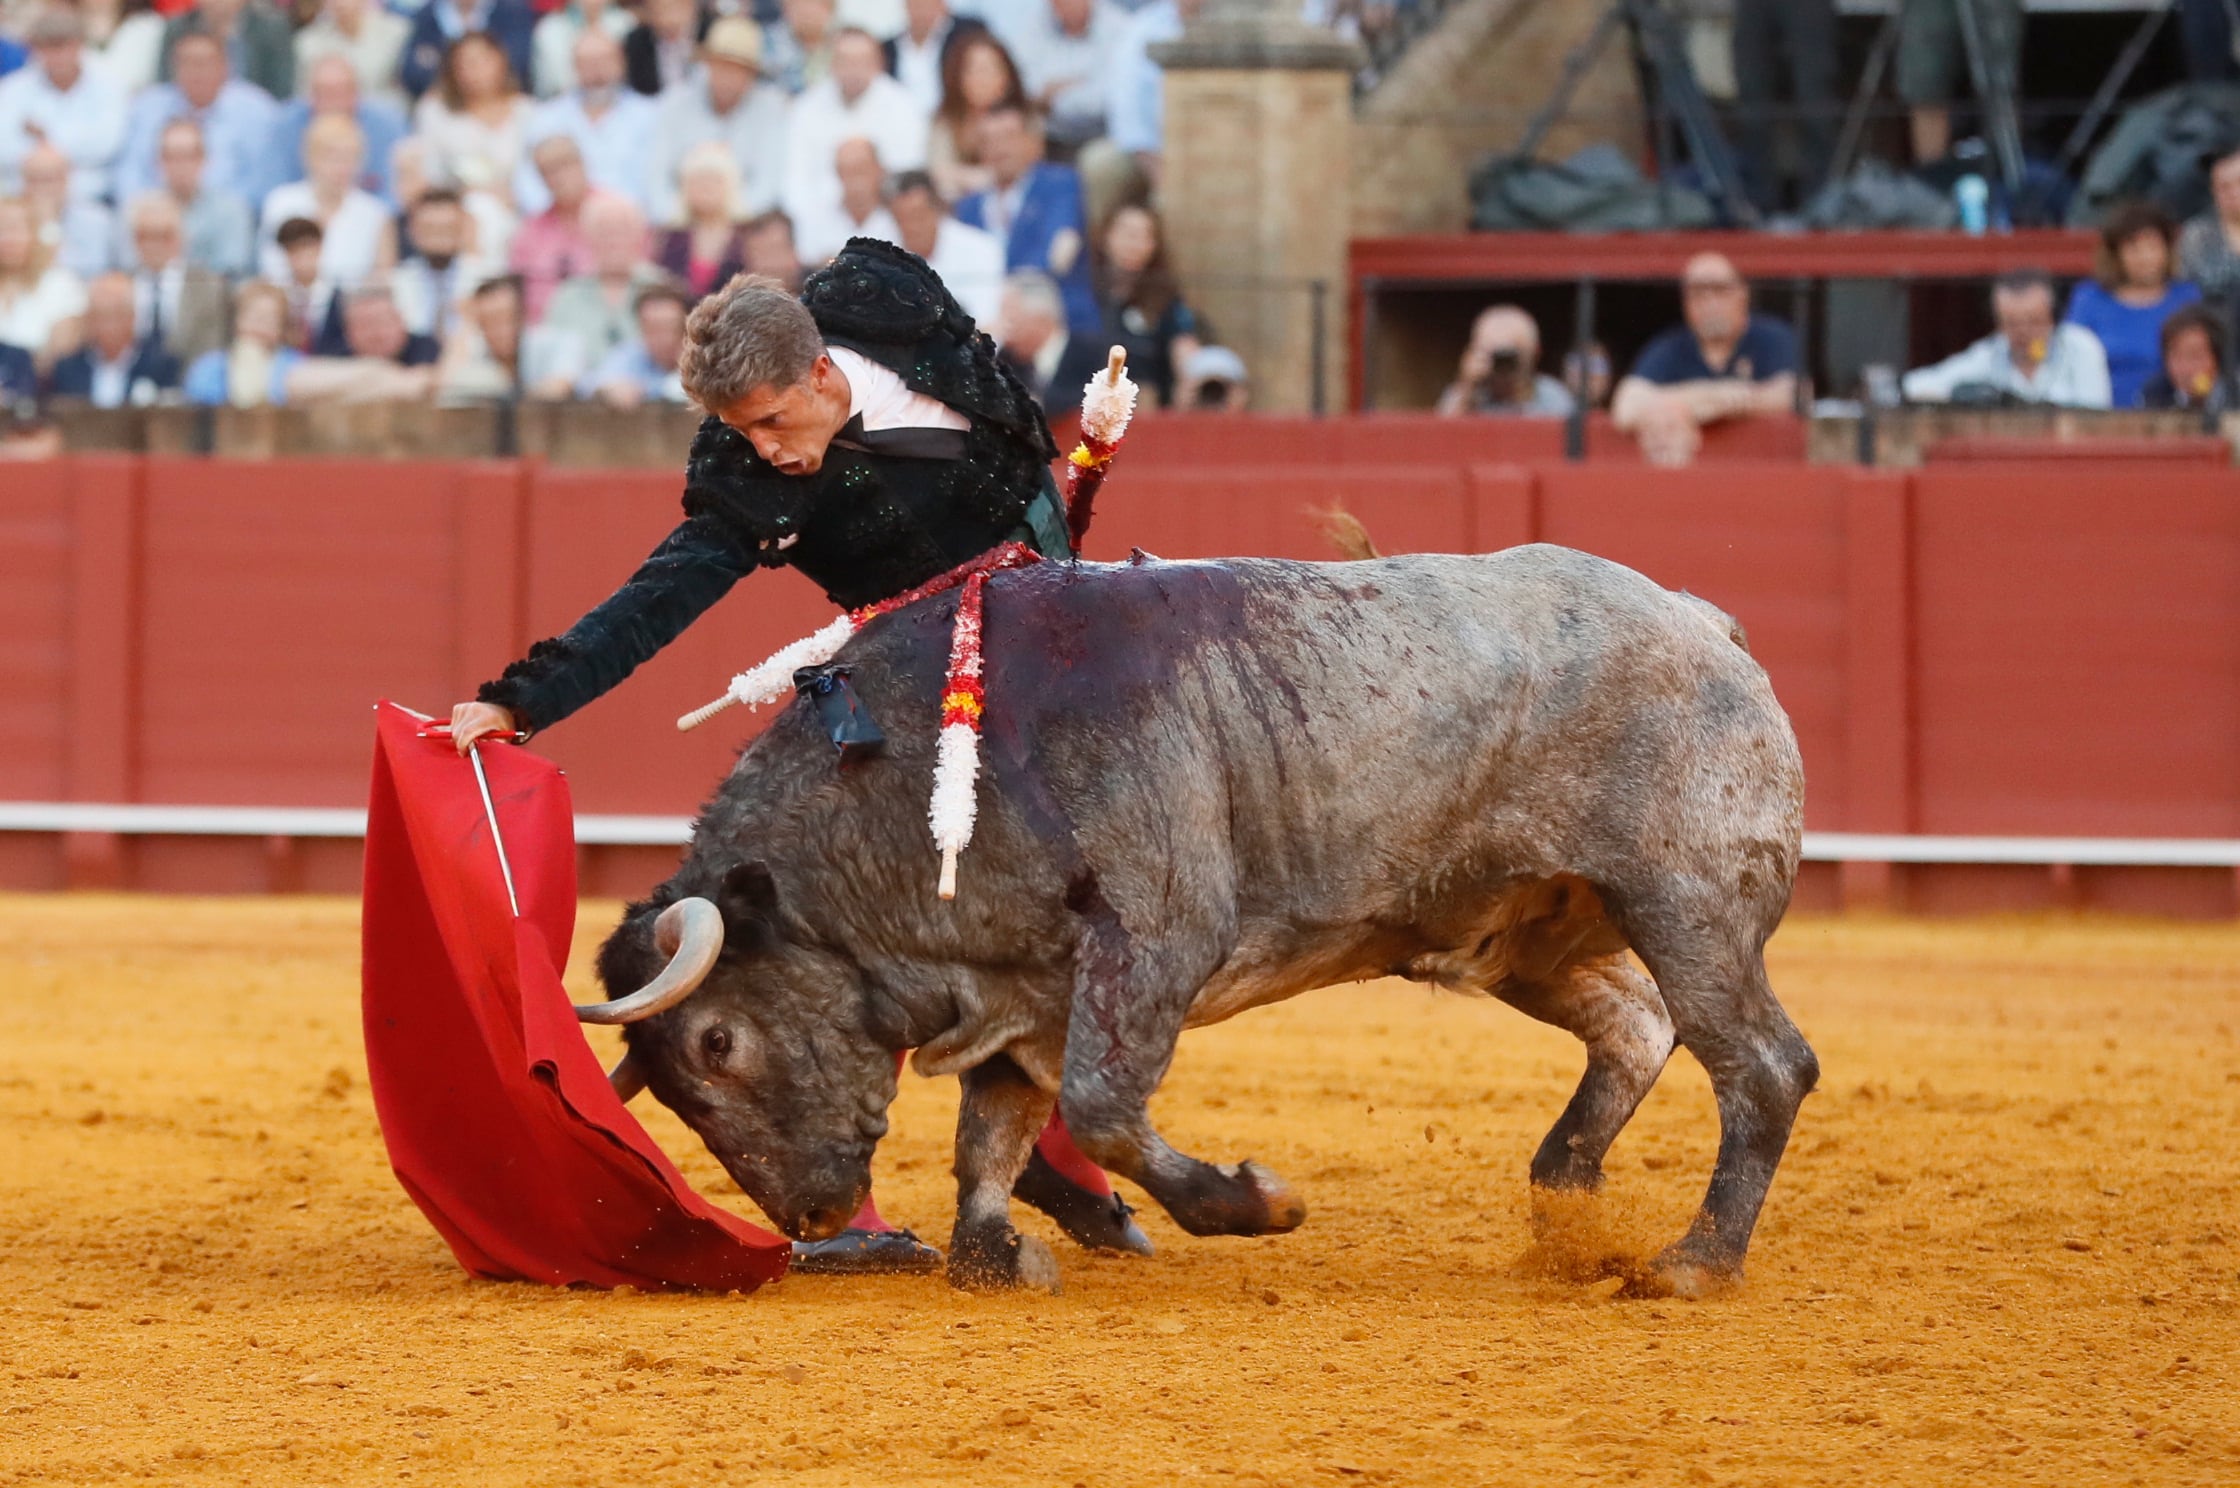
2022, 648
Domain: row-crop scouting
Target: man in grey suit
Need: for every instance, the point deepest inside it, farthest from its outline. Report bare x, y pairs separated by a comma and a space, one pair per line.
182, 304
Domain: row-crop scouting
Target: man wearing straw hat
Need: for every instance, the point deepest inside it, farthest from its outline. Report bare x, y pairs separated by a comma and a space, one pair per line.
867, 435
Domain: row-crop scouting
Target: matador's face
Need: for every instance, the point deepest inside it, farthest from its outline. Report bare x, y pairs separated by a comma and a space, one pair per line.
791, 427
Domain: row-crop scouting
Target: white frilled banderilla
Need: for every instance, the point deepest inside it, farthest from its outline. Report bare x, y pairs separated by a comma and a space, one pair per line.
1107, 404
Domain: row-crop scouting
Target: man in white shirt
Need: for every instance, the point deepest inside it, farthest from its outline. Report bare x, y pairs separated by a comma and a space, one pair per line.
858, 101
727, 100
1065, 58
185, 305
916, 54
861, 211
615, 129
61, 101
1138, 98
2029, 357
969, 261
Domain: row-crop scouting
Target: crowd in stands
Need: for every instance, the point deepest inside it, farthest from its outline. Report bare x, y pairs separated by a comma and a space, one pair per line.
224, 202
2149, 329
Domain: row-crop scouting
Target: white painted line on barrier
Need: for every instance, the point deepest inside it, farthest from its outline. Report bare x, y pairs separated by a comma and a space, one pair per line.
675, 831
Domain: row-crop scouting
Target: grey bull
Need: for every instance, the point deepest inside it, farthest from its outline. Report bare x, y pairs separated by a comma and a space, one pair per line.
1213, 785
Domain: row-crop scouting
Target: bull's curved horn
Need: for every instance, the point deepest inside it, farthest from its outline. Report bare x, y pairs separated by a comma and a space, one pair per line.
627, 1078
690, 934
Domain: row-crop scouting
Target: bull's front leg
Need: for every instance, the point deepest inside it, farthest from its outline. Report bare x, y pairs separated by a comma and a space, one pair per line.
1130, 999
1001, 1115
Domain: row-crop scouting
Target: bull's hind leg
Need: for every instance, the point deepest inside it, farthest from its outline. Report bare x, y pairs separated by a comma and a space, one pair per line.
1001, 1114
1714, 984
1614, 1009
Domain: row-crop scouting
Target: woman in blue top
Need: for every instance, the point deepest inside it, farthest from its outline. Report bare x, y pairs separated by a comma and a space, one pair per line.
2131, 293
254, 369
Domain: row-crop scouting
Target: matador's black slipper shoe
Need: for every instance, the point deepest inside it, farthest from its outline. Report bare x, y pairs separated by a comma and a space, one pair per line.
1093, 1221
866, 1253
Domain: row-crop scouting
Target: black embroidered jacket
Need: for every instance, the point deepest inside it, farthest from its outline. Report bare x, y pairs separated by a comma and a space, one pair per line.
865, 526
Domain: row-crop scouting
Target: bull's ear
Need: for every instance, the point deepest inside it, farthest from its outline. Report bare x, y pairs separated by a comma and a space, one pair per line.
749, 901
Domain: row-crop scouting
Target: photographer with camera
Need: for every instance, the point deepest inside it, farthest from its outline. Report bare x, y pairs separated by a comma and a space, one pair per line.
2028, 359
1500, 372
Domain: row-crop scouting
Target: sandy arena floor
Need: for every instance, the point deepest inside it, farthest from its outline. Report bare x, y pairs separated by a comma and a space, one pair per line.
2005, 1248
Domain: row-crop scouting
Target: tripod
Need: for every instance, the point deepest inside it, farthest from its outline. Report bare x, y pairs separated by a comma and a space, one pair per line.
2001, 123
1679, 100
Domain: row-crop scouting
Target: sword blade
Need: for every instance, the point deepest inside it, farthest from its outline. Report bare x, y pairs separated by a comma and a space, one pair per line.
497, 839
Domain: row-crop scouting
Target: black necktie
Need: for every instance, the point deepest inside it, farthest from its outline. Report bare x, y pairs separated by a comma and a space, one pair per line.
915, 443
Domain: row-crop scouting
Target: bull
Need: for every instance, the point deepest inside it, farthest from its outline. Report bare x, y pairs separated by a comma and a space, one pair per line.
1214, 785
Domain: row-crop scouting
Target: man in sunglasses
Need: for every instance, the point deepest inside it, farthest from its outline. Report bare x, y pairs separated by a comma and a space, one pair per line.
1723, 362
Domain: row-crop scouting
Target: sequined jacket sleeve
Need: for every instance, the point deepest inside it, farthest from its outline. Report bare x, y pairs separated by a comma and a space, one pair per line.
738, 513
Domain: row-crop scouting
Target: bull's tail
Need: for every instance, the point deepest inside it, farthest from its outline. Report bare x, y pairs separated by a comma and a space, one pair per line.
1345, 532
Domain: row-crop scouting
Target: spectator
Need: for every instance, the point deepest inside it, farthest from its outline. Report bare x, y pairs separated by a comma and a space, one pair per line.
1138, 107
81, 232
1064, 56
1034, 207
2209, 248
976, 76
968, 260
612, 127
488, 221
771, 251
1034, 339
1723, 362
1214, 380
497, 356
858, 101
25, 434
918, 55
705, 249
2131, 295
61, 103
438, 23
253, 370
373, 328
1500, 372
1933, 63
2192, 375
259, 43
177, 302
549, 247
1587, 375
117, 367
798, 46
728, 102
218, 231
1139, 302
41, 302
367, 36
236, 120
862, 209
659, 52
643, 369
1785, 48
476, 118
128, 37
555, 43
359, 237
330, 90
598, 308
314, 302
430, 283
2028, 359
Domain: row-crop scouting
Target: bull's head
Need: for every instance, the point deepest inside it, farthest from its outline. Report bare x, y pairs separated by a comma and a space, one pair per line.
758, 1042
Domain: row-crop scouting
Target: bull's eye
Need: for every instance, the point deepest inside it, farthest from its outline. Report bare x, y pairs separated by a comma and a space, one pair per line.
716, 1042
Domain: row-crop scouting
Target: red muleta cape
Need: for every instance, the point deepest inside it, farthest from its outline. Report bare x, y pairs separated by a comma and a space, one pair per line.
499, 1121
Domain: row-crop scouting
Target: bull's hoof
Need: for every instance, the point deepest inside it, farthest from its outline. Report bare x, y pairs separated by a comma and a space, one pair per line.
1092, 1221
1003, 1261
866, 1253
1285, 1211
1678, 1274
